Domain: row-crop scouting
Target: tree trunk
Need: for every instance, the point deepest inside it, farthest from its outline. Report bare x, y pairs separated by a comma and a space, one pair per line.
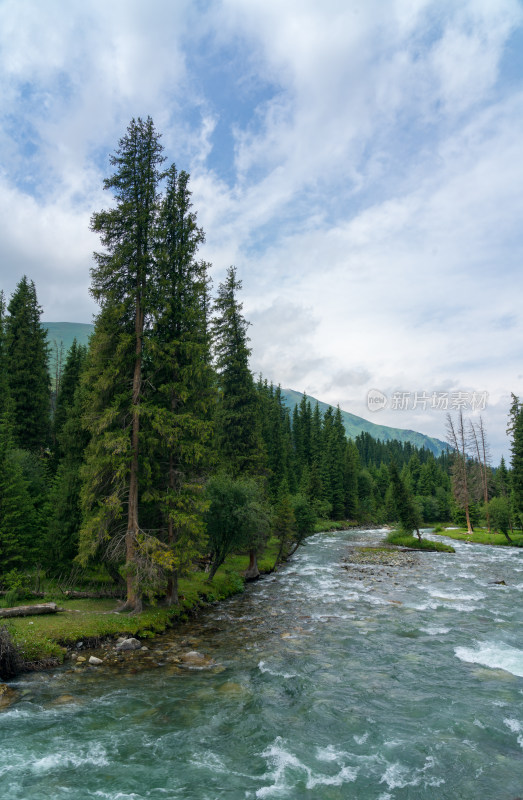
29, 611
134, 599
171, 596
252, 573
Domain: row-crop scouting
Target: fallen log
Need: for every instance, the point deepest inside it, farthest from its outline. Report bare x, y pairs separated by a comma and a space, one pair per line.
28, 611
110, 595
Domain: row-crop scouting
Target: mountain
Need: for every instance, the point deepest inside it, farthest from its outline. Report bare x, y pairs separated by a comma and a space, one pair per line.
66, 331
355, 425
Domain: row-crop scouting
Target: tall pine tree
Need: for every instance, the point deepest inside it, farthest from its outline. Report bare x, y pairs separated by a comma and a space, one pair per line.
27, 355
123, 283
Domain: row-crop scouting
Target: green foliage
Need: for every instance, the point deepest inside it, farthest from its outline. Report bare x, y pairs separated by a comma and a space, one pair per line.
27, 354
408, 513
238, 429
499, 511
237, 513
18, 519
284, 524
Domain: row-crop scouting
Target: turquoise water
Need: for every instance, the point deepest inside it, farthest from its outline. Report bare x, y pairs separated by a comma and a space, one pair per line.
331, 682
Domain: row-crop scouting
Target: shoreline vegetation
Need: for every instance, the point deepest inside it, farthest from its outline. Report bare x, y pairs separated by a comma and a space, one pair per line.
46, 641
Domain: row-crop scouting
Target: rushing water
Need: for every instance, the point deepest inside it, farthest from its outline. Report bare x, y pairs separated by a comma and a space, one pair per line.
367, 682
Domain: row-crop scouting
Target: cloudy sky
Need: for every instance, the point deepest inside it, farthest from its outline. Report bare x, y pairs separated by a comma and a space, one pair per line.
361, 163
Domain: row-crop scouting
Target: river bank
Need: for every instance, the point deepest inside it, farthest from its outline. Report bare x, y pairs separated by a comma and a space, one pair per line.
45, 641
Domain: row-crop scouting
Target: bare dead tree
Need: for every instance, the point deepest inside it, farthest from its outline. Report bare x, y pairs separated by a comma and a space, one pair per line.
457, 439
478, 437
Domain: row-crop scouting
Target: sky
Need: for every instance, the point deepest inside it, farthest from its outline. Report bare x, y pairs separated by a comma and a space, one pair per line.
360, 163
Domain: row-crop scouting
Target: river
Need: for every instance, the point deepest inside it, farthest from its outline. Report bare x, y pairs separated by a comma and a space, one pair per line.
333, 680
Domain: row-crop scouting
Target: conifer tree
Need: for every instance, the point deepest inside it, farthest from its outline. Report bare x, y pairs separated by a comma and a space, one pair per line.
517, 464
408, 513
64, 517
238, 430
27, 355
17, 513
123, 282
238, 426
350, 480
180, 370
70, 379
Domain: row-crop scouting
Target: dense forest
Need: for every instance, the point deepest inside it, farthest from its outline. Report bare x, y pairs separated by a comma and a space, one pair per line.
156, 446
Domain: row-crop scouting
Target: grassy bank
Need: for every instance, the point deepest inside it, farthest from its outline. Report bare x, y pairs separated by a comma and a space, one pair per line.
42, 640
482, 536
400, 539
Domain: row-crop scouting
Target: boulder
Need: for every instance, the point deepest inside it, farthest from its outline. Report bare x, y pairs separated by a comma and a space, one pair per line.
96, 661
129, 644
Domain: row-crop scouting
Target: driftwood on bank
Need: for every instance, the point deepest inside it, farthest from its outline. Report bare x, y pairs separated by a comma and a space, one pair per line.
29, 611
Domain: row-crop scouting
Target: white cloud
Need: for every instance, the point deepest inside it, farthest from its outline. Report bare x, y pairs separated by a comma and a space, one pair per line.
371, 201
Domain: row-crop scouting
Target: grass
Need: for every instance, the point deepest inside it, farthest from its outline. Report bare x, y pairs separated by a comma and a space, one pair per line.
326, 525
42, 640
401, 539
482, 536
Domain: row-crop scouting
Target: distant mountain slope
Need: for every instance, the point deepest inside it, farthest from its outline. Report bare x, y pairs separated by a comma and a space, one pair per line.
355, 425
66, 331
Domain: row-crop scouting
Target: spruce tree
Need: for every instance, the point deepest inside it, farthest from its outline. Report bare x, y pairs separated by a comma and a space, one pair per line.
408, 513
238, 425
27, 356
123, 283
517, 464
18, 524
240, 445
64, 518
179, 367
70, 379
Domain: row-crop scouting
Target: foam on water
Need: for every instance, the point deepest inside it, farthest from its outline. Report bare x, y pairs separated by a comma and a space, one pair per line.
275, 673
95, 755
285, 766
432, 630
494, 655
398, 776
515, 726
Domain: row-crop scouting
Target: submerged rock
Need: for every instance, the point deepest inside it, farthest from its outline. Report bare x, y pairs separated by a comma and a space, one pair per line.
195, 659
63, 699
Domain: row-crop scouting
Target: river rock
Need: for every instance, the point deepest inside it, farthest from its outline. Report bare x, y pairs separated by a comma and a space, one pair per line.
63, 699
7, 695
96, 661
81, 659
129, 644
195, 659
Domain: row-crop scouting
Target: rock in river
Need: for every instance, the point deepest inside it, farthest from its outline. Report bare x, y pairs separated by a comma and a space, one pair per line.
195, 659
129, 644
